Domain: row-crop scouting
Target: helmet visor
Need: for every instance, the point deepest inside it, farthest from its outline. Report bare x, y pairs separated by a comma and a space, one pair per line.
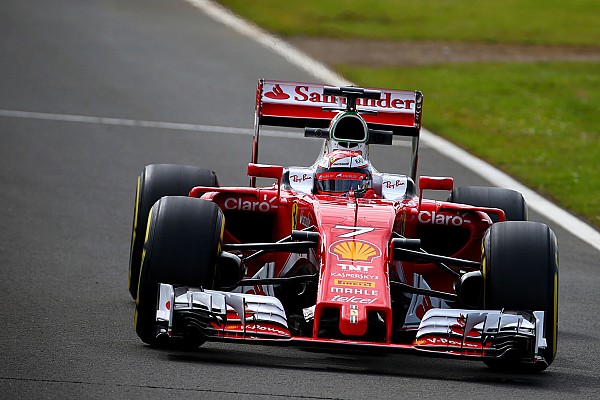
342, 182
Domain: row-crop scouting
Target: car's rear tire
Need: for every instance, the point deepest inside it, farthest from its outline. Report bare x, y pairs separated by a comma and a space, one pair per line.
510, 201
520, 273
182, 247
156, 181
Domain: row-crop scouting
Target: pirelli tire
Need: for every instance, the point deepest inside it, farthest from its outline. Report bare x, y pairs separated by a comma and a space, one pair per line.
156, 181
520, 273
510, 201
182, 247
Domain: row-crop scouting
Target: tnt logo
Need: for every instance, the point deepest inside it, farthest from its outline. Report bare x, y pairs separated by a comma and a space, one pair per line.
355, 268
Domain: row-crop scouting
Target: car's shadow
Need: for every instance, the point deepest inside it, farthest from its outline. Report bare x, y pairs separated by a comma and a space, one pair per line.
395, 365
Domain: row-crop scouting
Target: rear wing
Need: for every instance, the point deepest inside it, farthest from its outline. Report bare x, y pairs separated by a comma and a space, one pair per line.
302, 105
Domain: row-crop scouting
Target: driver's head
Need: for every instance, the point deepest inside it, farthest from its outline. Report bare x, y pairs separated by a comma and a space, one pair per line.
342, 170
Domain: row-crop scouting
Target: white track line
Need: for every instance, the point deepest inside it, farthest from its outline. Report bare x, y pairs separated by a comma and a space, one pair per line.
160, 125
290, 53
127, 122
496, 177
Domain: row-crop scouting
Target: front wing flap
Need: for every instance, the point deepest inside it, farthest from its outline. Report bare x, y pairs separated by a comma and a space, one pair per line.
484, 333
213, 314
216, 316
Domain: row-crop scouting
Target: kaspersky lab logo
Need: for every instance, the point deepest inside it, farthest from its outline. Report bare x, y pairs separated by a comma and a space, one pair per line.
354, 250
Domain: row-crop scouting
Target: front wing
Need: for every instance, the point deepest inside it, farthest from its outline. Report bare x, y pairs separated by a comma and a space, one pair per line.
225, 316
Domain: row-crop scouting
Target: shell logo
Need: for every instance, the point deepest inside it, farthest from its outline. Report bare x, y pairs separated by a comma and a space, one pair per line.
355, 250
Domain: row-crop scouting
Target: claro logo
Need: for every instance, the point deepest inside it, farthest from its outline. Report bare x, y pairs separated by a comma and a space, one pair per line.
251, 205
433, 218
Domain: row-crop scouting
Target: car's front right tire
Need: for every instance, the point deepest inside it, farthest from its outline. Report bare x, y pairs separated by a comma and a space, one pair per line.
520, 273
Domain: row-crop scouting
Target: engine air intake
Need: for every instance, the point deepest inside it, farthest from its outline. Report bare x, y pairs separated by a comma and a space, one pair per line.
349, 127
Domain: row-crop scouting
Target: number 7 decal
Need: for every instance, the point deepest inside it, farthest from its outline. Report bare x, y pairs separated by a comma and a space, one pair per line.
356, 230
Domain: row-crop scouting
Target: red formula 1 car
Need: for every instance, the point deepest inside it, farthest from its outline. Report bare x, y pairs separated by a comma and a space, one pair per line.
339, 255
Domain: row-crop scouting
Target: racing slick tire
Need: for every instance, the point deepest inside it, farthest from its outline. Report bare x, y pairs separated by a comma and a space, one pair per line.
520, 273
182, 247
156, 181
510, 201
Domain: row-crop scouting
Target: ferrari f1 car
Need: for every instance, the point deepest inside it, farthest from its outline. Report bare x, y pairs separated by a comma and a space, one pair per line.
339, 255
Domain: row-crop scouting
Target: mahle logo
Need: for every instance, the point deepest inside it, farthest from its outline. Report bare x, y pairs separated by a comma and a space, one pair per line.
355, 250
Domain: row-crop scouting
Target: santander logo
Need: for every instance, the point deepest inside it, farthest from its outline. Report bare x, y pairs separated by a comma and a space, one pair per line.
298, 94
277, 93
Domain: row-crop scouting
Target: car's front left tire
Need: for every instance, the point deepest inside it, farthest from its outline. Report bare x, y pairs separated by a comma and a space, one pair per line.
510, 201
182, 247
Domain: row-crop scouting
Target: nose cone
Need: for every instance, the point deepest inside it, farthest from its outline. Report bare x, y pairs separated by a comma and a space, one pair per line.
354, 278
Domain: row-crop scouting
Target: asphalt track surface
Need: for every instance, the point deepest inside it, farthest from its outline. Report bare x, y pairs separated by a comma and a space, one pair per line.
66, 205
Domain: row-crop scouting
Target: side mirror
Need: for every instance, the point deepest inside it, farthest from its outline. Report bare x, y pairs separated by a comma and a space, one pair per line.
434, 183
265, 171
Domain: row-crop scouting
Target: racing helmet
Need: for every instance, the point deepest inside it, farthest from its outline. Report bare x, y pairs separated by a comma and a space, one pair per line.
340, 171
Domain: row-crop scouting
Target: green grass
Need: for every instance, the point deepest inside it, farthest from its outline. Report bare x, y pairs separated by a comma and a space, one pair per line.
538, 122
498, 21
